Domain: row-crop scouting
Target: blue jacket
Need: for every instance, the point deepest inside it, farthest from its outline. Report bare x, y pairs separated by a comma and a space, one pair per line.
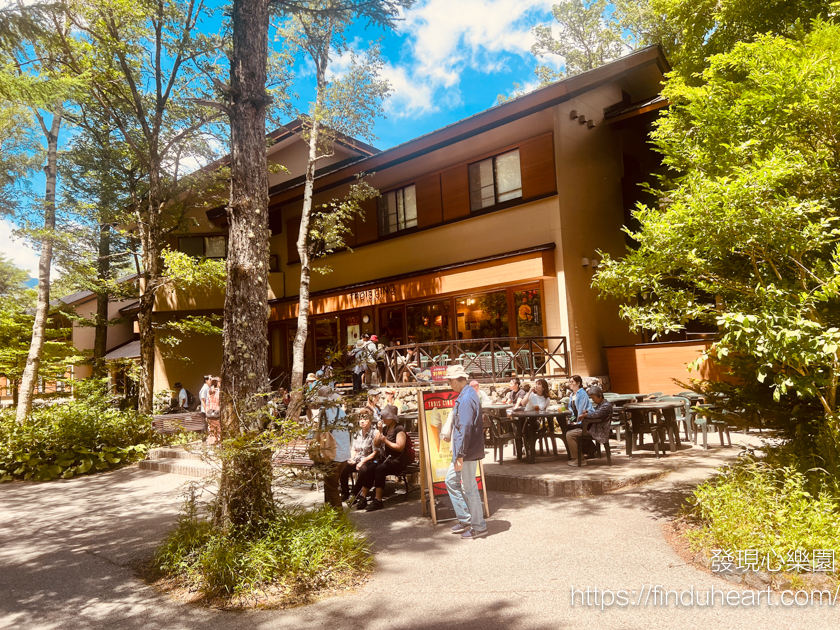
467, 427
580, 402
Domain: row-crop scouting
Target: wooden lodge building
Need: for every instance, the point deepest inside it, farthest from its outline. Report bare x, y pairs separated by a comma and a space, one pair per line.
488, 228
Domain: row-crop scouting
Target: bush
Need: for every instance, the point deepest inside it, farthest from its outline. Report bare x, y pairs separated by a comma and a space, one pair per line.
754, 505
297, 553
86, 434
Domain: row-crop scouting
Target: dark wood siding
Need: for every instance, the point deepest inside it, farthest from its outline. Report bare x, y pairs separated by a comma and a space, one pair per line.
455, 192
367, 231
275, 222
292, 230
429, 208
536, 159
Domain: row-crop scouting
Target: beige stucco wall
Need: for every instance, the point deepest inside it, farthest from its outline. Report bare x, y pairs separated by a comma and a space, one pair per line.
83, 336
194, 357
589, 170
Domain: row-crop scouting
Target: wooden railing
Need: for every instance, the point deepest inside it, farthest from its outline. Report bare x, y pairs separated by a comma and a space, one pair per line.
485, 360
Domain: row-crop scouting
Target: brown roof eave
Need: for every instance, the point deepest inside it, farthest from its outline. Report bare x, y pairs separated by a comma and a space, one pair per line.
497, 116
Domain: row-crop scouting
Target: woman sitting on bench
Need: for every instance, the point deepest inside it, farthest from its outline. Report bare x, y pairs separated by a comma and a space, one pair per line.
392, 459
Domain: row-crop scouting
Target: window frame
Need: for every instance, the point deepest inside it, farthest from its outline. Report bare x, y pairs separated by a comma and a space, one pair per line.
383, 224
496, 203
204, 238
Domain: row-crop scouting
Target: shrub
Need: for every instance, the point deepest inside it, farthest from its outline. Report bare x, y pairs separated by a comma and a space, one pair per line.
86, 434
297, 552
754, 505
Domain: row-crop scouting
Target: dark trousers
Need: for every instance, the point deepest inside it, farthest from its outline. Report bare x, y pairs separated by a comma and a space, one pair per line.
357, 383
375, 475
363, 473
331, 479
349, 469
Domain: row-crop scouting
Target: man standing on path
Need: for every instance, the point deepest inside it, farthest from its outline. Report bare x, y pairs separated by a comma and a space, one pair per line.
204, 392
467, 450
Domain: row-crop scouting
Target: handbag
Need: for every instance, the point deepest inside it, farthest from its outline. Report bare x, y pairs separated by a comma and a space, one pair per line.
323, 448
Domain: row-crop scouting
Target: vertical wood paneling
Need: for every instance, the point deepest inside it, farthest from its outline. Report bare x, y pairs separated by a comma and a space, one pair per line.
429, 207
292, 230
455, 192
367, 231
536, 159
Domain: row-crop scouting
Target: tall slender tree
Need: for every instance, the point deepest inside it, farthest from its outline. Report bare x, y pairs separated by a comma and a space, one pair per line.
148, 66
30, 64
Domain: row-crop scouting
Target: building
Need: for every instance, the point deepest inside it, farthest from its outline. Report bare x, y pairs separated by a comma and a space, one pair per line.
487, 228
70, 313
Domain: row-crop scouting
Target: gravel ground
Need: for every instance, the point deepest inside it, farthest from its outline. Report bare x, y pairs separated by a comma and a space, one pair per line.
68, 548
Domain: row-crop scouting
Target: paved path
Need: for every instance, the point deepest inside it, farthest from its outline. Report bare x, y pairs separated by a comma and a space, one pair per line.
67, 548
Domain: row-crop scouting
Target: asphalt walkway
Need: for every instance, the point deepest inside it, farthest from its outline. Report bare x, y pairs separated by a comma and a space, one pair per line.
68, 548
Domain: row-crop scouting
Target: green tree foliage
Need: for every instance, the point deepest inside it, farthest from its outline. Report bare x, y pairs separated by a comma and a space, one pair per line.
12, 278
21, 153
692, 31
751, 217
585, 39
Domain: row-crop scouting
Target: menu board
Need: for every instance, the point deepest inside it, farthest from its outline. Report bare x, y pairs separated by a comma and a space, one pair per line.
436, 455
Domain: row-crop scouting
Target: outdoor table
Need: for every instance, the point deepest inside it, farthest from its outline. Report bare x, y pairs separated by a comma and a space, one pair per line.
664, 408
622, 399
527, 431
409, 420
637, 397
499, 411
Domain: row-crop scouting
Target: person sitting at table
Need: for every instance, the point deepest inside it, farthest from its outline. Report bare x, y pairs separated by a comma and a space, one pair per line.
372, 408
515, 396
579, 400
408, 364
391, 399
538, 398
483, 398
595, 424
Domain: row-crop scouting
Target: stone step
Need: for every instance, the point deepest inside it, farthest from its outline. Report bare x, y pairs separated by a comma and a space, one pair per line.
173, 452
175, 466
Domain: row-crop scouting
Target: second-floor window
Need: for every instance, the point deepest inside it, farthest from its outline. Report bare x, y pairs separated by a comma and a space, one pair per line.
397, 210
495, 180
203, 246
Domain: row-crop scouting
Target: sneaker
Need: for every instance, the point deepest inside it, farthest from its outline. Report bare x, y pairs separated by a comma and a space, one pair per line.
345, 496
472, 534
361, 503
574, 462
460, 528
374, 505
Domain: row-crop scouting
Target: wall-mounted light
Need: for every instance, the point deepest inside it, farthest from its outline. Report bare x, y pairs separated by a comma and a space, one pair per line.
365, 319
584, 261
573, 114
595, 263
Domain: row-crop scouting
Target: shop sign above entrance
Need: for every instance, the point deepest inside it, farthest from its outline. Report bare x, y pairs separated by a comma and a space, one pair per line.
374, 295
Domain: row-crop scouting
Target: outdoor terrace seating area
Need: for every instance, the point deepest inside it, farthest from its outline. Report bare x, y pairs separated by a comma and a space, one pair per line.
485, 360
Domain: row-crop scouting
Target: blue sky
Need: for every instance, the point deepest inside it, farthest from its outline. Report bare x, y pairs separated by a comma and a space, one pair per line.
446, 60
449, 59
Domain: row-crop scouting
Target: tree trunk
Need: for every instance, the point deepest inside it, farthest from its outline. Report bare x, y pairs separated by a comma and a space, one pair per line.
151, 236
245, 336
36, 347
299, 345
103, 273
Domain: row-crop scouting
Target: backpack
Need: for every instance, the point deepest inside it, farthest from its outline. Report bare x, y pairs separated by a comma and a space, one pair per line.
190, 400
409, 450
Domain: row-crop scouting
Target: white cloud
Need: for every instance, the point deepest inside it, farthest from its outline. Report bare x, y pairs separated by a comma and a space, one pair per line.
409, 97
447, 36
17, 250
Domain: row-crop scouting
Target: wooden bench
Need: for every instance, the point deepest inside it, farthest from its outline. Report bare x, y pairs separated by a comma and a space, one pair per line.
295, 455
174, 422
